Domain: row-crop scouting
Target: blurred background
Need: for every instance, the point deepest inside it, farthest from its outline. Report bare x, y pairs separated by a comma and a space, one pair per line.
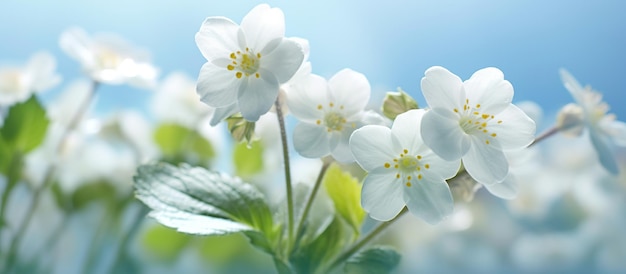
569, 214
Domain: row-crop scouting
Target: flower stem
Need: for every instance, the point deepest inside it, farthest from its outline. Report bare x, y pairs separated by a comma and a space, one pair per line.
312, 195
365, 240
38, 191
545, 135
122, 248
283, 137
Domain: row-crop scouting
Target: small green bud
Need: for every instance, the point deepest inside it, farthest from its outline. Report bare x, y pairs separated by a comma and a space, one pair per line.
240, 128
396, 103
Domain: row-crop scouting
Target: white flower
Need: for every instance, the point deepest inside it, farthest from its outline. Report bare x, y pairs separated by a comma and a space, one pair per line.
176, 101
247, 62
18, 83
329, 112
604, 130
474, 120
109, 59
402, 171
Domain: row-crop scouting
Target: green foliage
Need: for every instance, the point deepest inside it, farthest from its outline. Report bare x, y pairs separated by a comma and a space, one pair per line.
164, 243
248, 158
91, 192
375, 260
312, 257
345, 192
197, 201
180, 144
24, 127
396, 103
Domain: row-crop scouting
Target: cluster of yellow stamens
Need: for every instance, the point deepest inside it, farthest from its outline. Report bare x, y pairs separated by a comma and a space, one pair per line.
333, 119
246, 63
407, 166
474, 121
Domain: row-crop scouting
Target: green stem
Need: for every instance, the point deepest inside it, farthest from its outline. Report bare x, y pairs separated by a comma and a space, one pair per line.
12, 179
48, 178
365, 240
129, 235
283, 137
312, 195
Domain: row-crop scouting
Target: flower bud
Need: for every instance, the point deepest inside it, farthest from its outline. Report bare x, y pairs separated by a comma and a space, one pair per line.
396, 103
570, 120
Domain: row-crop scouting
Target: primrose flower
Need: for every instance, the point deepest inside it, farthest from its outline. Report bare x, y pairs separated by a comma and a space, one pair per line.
474, 121
604, 130
247, 62
329, 112
402, 171
18, 83
108, 58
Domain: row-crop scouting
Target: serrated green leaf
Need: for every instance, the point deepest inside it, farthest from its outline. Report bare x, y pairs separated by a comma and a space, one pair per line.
180, 144
25, 126
345, 192
313, 256
375, 260
164, 243
396, 103
197, 201
248, 159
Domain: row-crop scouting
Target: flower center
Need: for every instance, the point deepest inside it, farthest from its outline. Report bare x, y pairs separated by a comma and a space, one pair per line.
10, 81
245, 63
334, 120
108, 59
408, 167
475, 122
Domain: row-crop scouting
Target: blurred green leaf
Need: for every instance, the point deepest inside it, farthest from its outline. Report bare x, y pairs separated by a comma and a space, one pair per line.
25, 126
313, 256
376, 260
6, 156
164, 243
180, 144
345, 192
91, 192
248, 159
396, 103
197, 201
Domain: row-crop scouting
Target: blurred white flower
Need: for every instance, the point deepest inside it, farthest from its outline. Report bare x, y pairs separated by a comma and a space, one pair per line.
604, 130
109, 59
474, 121
37, 75
402, 171
247, 62
328, 113
176, 101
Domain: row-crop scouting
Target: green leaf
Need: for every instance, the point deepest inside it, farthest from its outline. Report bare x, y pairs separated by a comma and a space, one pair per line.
396, 103
248, 159
313, 256
376, 260
345, 192
25, 126
180, 144
164, 243
6, 156
91, 192
197, 201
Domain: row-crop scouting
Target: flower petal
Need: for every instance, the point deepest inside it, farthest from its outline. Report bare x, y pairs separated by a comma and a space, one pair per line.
515, 131
284, 60
441, 132
304, 99
604, 152
222, 113
341, 152
217, 38
615, 130
429, 199
488, 88
310, 141
41, 68
258, 96
441, 88
372, 146
574, 88
350, 89
381, 195
76, 43
437, 167
263, 27
485, 162
406, 127
506, 189
217, 86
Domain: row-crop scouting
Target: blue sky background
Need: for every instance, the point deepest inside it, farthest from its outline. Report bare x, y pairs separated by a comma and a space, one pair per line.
391, 42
